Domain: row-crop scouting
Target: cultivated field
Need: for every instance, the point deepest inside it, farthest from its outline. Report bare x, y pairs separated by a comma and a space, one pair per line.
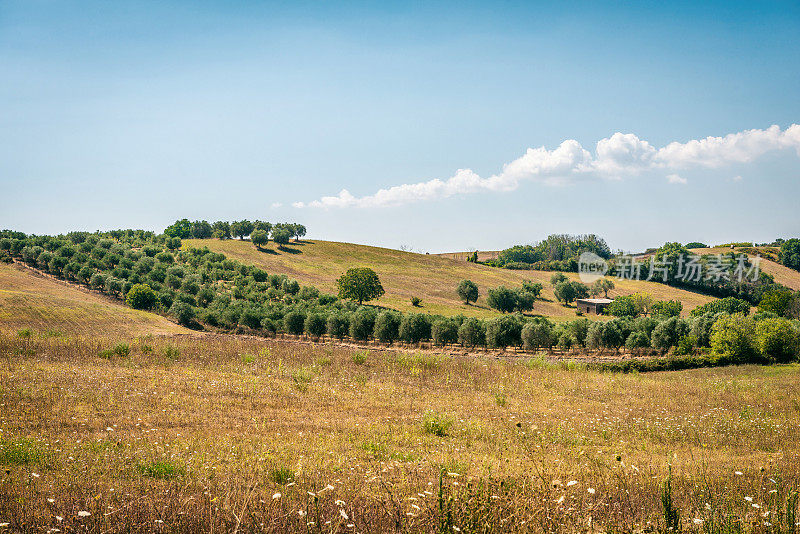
230, 434
405, 274
43, 303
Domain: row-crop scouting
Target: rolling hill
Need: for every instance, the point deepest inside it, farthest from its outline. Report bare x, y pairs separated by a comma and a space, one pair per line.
28, 300
433, 278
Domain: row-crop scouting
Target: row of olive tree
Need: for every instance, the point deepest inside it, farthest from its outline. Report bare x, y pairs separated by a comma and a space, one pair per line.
258, 231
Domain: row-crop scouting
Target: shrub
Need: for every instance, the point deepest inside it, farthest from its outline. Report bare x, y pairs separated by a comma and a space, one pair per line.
23, 451
415, 327
140, 297
537, 334
444, 331
387, 326
472, 332
251, 317
337, 325
281, 475
362, 323
160, 469
182, 312
637, 340
503, 331
502, 299
730, 305
777, 340
360, 358
315, 324
437, 424
171, 353
732, 339
416, 302
294, 322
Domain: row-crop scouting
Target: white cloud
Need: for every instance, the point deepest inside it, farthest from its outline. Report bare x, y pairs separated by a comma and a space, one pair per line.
615, 157
276, 204
737, 178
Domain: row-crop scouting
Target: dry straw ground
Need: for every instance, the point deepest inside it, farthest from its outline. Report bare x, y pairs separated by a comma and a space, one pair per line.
433, 278
216, 433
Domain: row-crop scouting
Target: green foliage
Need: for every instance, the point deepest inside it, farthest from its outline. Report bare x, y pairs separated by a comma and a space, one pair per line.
259, 238
294, 322
622, 307
504, 331
183, 313
507, 300
416, 302
467, 291
23, 451
567, 292
664, 309
281, 475
414, 327
733, 339
777, 340
776, 301
471, 332
559, 252
789, 254
181, 229
696, 244
444, 331
359, 284
160, 469
362, 323
337, 325
557, 278
538, 334
387, 326
281, 235
315, 324
141, 297
437, 424
729, 305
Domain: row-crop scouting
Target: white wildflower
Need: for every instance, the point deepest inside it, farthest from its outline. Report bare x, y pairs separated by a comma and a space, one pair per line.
83, 513
343, 514
590, 490
276, 496
572, 483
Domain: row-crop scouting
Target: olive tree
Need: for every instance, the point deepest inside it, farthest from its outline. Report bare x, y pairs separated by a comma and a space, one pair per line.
468, 291
360, 284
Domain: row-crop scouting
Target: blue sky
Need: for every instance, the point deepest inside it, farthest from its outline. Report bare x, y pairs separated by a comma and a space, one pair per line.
135, 114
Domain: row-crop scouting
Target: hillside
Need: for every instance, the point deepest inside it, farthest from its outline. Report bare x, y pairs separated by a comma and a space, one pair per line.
44, 304
782, 274
433, 278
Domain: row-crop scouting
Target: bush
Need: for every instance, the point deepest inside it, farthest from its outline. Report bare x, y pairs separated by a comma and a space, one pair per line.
416, 302
730, 305
668, 332
732, 339
777, 340
387, 326
140, 297
471, 332
537, 334
444, 331
414, 327
183, 313
637, 340
315, 324
437, 424
251, 317
362, 323
503, 331
337, 325
294, 323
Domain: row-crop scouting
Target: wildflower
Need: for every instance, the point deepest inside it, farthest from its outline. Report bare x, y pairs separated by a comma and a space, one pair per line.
276, 496
3, 525
301, 513
748, 499
159, 521
328, 487
456, 528
572, 483
415, 507
560, 500
451, 474
591, 491
739, 473
350, 525
339, 502
556, 482
51, 501
343, 514
35, 475
83, 513
697, 521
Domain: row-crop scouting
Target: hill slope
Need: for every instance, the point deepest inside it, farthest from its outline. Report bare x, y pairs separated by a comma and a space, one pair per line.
31, 301
782, 274
433, 278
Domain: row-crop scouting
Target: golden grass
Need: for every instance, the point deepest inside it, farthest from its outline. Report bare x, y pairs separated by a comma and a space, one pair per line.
223, 433
433, 278
28, 300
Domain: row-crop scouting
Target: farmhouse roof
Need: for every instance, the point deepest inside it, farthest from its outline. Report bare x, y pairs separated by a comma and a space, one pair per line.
597, 301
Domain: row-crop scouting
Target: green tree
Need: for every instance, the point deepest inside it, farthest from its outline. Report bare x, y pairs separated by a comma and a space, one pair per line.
567, 291
557, 278
471, 332
298, 231
534, 288
778, 340
603, 285
183, 313
444, 330
315, 325
294, 323
181, 229
221, 230
537, 335
359, 284
468, 291
789, 254
776, 301
337, 325
622, 307
241, 229
259, 238
733, 339
140, 297
387, 326
664, 309
201, 230
504, 331
281, 235
414, 327
502, 298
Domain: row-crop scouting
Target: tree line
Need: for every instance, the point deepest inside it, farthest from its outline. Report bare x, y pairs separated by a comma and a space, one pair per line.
259, 232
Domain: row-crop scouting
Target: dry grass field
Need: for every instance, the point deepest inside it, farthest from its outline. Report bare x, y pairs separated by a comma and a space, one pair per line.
28, 300
783, 275
433, 278
230, 434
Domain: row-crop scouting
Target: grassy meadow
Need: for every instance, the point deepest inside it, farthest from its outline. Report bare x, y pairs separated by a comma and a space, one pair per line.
44, 303
224, 433
431, 277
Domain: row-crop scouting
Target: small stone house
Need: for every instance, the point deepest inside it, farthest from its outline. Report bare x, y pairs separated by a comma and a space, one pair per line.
593, 306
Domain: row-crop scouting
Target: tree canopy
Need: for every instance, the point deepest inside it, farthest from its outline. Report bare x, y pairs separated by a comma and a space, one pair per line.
359, 284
